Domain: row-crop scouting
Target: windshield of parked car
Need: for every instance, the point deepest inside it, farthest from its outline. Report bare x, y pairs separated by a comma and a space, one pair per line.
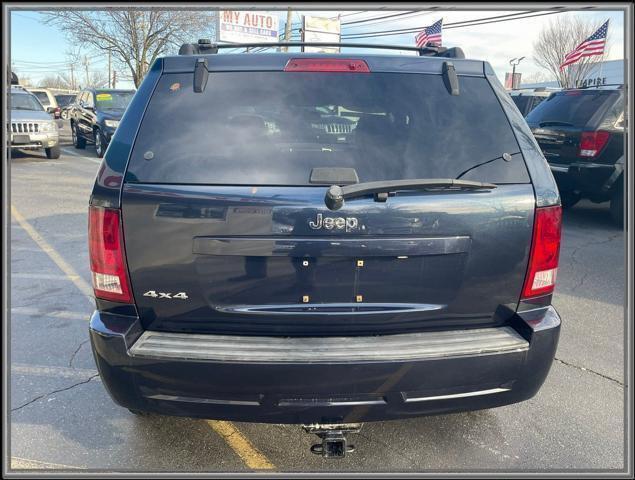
110, 100
42, 97
573, 107
273, 128
64, 100
25, 101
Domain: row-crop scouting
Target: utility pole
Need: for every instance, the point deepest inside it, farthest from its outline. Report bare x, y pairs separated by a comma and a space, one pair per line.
86, 66
114, 79
287, 28
109, 73
72, 77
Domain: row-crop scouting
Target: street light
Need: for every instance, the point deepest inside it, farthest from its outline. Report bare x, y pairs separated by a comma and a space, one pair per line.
513, 62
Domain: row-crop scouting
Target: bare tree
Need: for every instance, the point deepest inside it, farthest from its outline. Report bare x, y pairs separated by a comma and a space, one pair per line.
538, 77
62, 80
134, 36
556, 40
54, 81
23, 79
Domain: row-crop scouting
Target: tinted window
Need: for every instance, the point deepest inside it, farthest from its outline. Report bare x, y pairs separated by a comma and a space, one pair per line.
274, 127
538, 101
42, 97
572, 107
25, 101
112, 100
64, 100
522, 102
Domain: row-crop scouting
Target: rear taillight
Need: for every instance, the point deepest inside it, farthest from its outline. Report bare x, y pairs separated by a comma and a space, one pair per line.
545, 249
326, 65
591, 143
107, 255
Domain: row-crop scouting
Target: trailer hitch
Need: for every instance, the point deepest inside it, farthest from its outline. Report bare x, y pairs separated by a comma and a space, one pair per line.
334, 443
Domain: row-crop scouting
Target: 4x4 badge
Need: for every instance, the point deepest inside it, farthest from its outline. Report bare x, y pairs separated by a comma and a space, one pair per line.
168, 295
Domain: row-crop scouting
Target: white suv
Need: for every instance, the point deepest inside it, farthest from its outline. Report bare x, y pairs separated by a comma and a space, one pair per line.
32, 128
47, 99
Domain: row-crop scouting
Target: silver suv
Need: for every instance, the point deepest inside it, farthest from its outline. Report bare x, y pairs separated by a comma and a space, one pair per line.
32, 128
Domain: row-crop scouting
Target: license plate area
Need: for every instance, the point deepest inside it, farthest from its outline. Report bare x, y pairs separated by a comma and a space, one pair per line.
289, 282
20, 139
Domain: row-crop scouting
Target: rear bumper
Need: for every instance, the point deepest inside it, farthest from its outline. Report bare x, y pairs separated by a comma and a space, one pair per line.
587, 177
373, 378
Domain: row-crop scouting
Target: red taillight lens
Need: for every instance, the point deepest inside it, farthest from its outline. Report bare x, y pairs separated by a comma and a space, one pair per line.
326, 65
107, 256
545, 249
591, 143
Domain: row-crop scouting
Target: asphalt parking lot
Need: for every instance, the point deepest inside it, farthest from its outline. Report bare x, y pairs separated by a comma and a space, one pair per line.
62, 418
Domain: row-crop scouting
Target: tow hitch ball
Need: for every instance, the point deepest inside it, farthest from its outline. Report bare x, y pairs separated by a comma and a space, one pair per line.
333, 435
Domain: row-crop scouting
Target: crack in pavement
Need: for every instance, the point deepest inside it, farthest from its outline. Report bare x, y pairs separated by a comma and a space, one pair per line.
584, 369
577, 262
70, 361
54, 391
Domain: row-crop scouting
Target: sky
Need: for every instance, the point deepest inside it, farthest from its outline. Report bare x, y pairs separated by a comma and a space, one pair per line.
38, 49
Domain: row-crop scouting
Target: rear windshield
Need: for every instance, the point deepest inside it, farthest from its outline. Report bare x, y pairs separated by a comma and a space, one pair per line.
63, 100
522, 102
42, 97
273, 128
572, 107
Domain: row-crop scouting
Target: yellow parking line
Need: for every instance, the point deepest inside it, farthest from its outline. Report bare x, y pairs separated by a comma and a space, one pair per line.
70, 272
18, 463
236, 440
243, 447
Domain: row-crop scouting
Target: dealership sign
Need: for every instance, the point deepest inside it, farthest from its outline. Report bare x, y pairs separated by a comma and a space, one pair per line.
238, 26
321, 30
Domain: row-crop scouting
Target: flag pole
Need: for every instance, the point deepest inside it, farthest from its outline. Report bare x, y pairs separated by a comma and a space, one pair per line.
603, 50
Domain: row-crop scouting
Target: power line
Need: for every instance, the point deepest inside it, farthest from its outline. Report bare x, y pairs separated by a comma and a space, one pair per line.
364, 20
449, 26
517, 14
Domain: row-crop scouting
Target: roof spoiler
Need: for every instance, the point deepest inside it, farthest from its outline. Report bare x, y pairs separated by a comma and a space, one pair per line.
205, 46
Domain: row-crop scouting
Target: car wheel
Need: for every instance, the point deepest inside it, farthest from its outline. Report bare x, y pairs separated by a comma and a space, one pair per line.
100, 143
53, 152
617, 204
78, 141
569, 199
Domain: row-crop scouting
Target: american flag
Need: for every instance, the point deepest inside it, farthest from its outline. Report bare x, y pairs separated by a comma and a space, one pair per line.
431, 34
594, 45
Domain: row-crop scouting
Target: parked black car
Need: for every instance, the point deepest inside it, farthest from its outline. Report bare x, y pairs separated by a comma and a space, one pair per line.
581, 133
95, 116
256, 259
65, 101
527, 99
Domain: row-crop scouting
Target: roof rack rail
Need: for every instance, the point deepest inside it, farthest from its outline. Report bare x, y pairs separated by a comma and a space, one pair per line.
205, 46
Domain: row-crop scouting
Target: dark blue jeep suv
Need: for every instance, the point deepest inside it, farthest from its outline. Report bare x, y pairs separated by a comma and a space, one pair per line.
322, 239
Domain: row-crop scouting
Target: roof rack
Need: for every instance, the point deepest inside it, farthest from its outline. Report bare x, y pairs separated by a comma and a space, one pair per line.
205, 46
617, 85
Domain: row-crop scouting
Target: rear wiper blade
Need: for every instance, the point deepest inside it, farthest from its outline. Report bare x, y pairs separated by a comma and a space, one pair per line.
335, 195
555, 122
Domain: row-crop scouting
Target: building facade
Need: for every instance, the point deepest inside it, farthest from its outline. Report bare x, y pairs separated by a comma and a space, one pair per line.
610, 72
